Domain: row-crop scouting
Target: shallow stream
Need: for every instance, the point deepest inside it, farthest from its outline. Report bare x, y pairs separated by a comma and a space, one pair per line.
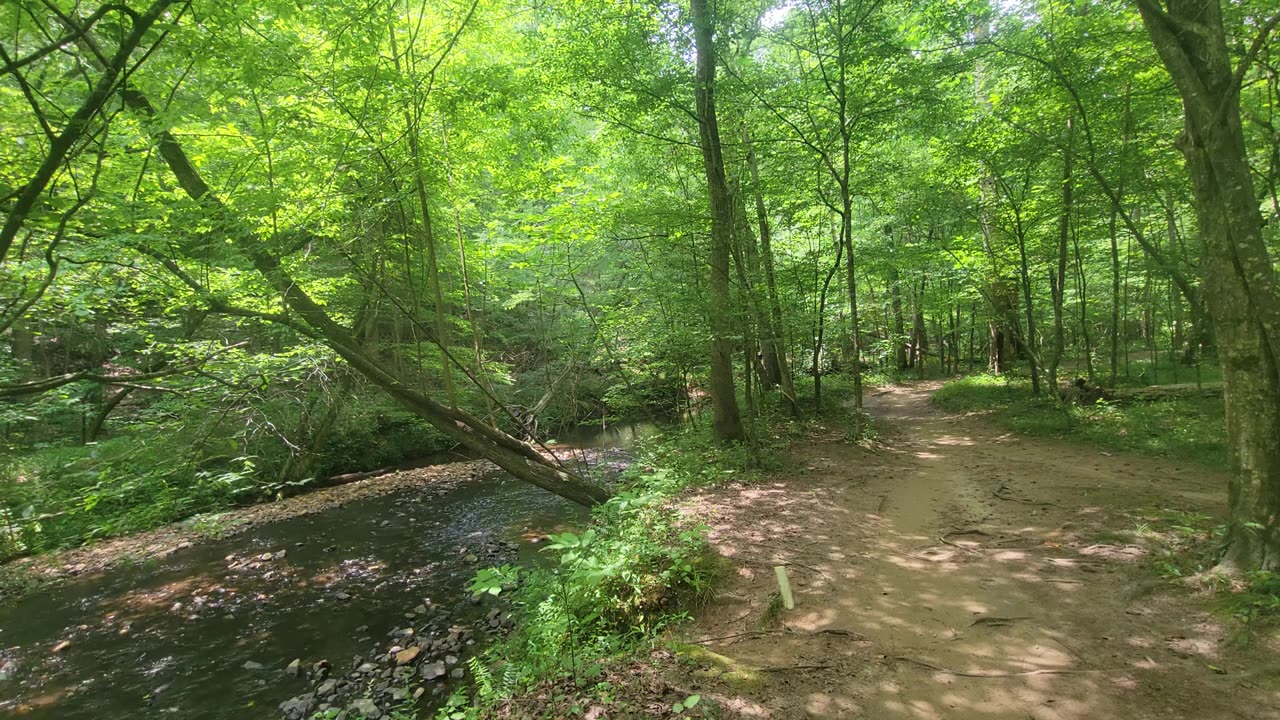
207, 633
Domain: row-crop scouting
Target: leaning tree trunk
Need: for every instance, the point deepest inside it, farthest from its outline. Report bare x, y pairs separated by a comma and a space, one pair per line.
1240, 284
508, 453
727, 422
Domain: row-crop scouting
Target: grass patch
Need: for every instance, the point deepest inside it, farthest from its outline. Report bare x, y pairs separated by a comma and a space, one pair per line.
1192, 429
609, 594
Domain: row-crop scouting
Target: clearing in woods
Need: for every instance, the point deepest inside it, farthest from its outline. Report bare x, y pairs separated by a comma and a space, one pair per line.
958, 572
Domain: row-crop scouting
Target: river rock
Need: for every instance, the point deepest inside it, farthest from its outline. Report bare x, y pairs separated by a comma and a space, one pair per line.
432, 671
366, 708
251, 665
294, 669
61, 646
326, 688
458, 673
408, 655
366, 668
342, 596
8, 669
298, 708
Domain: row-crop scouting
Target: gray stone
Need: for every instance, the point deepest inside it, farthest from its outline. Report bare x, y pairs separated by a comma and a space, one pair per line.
366, 668
450, 660
432, 671
251, 665
327, 688
8, 670
297, 708
366, 708
294, 668
458, 673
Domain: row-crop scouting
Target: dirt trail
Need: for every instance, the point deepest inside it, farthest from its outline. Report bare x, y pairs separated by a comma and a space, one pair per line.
959, 572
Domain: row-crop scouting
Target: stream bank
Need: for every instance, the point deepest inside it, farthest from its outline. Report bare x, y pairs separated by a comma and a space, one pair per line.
210, 628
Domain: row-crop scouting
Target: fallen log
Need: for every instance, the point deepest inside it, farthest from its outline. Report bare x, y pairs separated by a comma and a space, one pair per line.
1180, 391
1082, 394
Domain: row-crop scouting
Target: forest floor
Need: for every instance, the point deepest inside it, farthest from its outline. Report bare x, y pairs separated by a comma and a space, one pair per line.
960, 572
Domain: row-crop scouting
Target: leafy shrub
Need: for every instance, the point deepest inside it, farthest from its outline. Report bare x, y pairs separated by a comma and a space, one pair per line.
613, 587
65, 496
375, 433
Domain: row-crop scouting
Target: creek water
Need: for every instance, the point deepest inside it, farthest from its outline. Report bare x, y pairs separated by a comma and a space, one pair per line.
206, 633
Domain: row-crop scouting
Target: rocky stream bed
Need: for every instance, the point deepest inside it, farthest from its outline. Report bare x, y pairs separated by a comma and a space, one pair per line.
355, 604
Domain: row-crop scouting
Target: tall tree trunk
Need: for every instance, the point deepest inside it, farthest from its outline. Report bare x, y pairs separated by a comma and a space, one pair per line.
1240, 284
1116, 330
1082, 289
413, 124
894, 280
855, 331
919, 336
727, 421
776, 348
818, 336
469, 307
1030, 343
1059, 284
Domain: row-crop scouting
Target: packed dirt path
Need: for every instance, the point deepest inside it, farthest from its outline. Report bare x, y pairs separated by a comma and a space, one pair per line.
959, 572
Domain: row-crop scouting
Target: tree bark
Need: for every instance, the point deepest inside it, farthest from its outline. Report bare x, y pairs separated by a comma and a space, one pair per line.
727, 421
1240, 284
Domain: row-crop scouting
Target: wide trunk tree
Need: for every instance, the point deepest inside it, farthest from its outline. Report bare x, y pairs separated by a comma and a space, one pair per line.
1240, 284
727, 421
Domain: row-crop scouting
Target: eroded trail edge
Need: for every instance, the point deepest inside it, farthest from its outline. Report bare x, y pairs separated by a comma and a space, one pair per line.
957, 571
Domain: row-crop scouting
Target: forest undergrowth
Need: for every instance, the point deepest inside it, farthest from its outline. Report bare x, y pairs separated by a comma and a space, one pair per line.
1191, 429
590, 619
